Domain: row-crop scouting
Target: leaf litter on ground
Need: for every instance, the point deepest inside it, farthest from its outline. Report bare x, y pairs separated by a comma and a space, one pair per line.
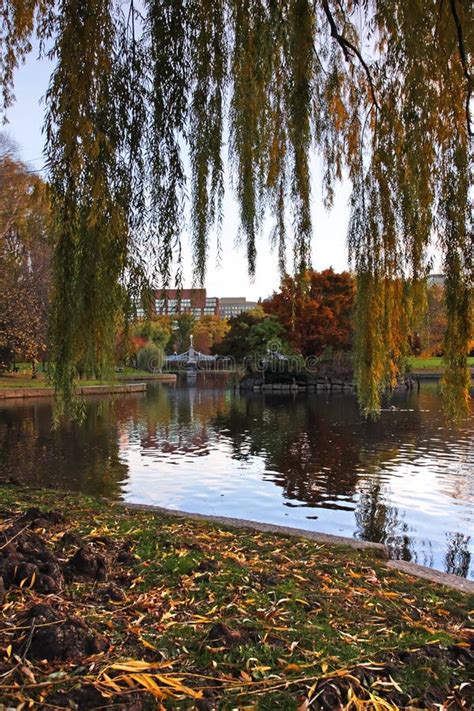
102, 606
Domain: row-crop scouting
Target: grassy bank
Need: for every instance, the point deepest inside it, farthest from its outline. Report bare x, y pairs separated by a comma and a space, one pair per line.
24, 379
432, 364
157, 612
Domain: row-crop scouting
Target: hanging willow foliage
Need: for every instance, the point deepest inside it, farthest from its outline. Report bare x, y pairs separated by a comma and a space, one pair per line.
142, 96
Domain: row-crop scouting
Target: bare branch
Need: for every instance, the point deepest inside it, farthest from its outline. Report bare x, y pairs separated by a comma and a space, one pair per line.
464, 62
348, 49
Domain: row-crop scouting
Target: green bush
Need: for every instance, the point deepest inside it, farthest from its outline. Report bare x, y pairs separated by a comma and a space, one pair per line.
150, 358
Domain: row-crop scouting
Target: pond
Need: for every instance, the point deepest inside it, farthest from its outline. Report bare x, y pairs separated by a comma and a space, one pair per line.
306, 460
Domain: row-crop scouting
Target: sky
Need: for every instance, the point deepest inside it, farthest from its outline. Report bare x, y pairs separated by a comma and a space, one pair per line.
230, 276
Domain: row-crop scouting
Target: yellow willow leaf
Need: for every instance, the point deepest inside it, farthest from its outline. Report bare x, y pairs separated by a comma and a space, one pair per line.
134, 665
148, 683
292, 667
397, 686
178, 686
9, 650
148, 645
110, 682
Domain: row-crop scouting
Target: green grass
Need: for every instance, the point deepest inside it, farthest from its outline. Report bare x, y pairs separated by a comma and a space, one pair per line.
17, 381
435, 364
23, 379
301, 611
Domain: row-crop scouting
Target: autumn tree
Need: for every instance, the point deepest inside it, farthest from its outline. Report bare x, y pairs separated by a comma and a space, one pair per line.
316, 310
24, 260
208, 333
252, 334
183, 326
380, 89
134, 336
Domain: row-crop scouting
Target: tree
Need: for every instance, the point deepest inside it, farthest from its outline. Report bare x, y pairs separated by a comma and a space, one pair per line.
24, 260
183, 325
435, 322
380, 88
251, 334
316, 310
134, 336
208, 332
151, 357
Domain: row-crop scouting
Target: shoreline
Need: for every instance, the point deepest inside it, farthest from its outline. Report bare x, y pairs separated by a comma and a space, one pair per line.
109, 605
455, 582
11, 392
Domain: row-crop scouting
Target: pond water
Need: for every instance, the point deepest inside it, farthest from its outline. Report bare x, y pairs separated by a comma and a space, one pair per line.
305, 460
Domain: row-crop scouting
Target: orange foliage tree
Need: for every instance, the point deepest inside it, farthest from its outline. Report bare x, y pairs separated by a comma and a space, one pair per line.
209, 331
315, 308
24, 260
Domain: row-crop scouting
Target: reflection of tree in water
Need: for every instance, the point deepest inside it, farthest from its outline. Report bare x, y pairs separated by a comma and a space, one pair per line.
79, 457
172, 421
317, 449
377, 521
458, 558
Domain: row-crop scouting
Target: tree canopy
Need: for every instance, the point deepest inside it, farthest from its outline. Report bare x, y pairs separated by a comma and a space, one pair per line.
379, 90
316, 310
25, 255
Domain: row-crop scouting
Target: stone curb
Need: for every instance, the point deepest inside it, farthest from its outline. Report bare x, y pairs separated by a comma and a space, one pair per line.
418, 571
434, 576
20, 393
264, 527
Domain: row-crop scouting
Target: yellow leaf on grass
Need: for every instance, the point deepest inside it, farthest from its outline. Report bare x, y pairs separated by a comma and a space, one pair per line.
134, 665
148, 683
178, 686
292, 667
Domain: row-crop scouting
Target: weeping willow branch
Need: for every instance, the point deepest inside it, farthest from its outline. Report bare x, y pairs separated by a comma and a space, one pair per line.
463, 55
139, 105
347, 47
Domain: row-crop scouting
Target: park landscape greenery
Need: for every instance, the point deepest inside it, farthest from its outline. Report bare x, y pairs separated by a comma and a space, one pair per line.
379, 89
135, 610
172, 613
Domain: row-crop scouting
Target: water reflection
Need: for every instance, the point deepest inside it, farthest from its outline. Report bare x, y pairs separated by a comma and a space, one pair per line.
308, 460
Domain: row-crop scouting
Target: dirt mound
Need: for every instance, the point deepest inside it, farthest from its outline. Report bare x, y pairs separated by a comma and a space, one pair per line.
50, 636
87, 564
25, 558
67, 579
41, 519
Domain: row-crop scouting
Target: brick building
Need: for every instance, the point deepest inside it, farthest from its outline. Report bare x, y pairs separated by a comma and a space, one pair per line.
197, 303
230, 306
194, 301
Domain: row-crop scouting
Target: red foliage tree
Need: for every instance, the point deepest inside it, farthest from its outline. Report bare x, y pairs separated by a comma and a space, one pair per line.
25, 255
316, 310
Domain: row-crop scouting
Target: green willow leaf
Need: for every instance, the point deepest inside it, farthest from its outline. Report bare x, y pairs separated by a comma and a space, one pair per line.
143, 97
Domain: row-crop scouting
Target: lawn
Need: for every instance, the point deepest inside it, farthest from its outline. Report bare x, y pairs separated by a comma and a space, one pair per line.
107, 606
23, 379
434, 364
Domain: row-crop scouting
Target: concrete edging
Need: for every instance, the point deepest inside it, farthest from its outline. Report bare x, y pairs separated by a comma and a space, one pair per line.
263, 527
434, 576
20, 393
419, 571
